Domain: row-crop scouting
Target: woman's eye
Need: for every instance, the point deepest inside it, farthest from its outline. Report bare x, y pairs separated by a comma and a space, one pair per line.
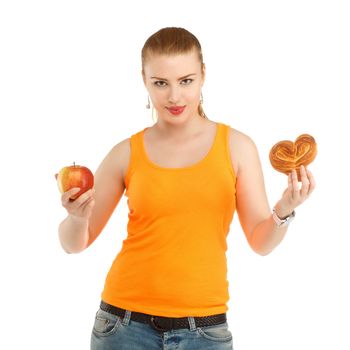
156, 83
160, 83
188, 80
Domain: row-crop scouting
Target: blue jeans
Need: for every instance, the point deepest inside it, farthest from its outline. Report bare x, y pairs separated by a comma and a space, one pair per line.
111, 332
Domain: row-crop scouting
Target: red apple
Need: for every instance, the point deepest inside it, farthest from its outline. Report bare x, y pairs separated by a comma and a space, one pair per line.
75, 176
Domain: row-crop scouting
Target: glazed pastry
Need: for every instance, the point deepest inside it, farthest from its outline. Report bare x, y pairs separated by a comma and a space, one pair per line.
288, 155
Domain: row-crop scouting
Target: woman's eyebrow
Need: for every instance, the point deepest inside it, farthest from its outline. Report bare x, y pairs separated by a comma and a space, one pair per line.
178, 79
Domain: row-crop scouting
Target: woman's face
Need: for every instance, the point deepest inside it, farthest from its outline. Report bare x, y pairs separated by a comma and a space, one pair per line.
174, 81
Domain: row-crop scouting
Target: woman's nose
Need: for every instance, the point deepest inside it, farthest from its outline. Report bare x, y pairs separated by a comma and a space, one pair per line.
174, 96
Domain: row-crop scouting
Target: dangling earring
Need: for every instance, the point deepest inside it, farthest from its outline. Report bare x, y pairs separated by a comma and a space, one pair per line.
148, 105
201, 100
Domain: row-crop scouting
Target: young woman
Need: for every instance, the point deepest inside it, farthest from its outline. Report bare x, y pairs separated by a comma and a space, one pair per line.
184, 177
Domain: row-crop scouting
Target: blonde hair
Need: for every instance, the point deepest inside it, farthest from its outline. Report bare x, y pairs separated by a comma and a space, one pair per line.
172, 41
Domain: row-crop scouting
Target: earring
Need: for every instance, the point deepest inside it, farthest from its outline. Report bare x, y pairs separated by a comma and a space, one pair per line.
148, 105
201, 100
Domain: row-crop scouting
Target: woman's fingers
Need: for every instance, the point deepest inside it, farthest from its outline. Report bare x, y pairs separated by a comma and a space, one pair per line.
66, 195
312, 181
76, 206
81, 199
305, 183
295, 184
290, 185
86, 207
293, 196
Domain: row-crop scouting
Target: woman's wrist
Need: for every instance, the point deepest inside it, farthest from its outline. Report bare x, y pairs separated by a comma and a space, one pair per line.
282, 212
78, 219
74, 233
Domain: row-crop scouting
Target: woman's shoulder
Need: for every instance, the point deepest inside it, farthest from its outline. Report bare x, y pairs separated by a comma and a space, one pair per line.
123, 147
117, 157
240, 139
241, 146
122, 151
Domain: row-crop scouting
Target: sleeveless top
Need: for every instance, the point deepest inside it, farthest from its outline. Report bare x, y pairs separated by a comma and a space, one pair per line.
173, 261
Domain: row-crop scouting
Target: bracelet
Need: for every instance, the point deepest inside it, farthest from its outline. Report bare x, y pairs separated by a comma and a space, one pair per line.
282, 222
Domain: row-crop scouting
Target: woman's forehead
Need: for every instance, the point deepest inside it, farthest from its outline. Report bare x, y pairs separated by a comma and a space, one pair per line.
181, 64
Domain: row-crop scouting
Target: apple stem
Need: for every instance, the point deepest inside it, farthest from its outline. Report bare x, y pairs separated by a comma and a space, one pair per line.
74, 164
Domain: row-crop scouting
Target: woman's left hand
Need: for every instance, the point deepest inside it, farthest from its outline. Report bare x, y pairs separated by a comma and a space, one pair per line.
293, 196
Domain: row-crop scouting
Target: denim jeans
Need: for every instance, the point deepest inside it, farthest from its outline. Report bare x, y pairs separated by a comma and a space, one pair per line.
111, 332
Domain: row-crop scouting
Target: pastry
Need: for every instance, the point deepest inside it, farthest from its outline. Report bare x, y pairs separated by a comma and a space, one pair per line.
288, 155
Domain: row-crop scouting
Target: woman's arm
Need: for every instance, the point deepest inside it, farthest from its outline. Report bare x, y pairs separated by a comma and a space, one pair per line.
109, 187
90, 212
267, 235
73, 233
253, 209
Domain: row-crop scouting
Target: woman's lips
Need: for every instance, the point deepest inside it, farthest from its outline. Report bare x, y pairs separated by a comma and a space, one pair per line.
176, 110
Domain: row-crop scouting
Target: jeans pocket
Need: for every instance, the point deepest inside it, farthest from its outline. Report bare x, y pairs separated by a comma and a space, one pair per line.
219, 332
105, 323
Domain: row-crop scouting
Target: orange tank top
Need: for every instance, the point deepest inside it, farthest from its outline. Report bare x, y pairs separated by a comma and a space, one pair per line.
173, 261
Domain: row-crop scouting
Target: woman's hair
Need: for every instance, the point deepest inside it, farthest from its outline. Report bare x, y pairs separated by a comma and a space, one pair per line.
172, 41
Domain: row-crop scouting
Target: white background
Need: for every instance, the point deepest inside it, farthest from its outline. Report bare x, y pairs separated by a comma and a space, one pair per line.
71, 88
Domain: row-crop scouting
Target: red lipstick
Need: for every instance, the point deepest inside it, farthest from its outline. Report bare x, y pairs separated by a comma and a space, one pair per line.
176, 110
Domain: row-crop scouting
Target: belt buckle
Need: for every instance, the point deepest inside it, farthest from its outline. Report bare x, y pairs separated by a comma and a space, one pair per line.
166, 323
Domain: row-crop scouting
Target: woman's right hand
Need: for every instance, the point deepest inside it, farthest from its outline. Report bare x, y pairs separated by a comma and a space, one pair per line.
81, 206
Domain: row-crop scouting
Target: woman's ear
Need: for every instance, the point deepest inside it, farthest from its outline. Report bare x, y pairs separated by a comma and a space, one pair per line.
203, 73
143, 76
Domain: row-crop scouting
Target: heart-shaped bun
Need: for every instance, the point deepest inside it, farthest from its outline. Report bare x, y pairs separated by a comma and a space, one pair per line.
288, 155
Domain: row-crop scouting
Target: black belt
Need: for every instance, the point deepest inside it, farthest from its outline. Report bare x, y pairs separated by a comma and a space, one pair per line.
162, 323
